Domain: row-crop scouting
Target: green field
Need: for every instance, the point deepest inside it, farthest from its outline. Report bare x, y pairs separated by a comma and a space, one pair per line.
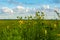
29, 29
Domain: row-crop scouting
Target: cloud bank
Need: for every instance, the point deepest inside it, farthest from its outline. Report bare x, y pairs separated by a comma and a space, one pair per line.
25, 11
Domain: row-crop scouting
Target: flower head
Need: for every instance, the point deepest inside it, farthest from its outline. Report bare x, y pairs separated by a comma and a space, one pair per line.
58, 34
8, 27
21, 22
55, 25
45, 31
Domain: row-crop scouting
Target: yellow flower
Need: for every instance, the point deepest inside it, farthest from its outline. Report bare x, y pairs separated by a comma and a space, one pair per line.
21, 22
55, 25
45, 31
58, 34
8, 27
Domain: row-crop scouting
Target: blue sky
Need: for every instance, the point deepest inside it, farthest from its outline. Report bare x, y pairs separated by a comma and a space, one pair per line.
10, 9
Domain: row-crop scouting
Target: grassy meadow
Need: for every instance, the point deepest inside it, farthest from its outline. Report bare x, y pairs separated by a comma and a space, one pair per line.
29, 19
30, 29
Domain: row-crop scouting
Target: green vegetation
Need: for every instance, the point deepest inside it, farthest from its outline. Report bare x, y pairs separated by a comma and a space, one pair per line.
31, 29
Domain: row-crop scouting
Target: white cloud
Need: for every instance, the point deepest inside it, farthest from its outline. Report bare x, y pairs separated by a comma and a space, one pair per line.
27, 9
46, 6
24, 11
20, 7
57, 9
7, 10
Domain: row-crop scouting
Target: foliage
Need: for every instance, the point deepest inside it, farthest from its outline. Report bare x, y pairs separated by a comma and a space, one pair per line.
29, 29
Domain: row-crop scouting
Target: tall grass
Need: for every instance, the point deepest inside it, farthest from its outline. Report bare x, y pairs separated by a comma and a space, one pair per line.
29, 30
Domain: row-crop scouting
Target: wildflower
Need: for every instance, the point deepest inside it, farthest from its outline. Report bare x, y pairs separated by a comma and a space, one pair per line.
45, 31
21, 22
55, 25
8, 27
58, 34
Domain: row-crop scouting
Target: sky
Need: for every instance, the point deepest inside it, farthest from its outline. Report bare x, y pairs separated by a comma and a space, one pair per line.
10, 9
